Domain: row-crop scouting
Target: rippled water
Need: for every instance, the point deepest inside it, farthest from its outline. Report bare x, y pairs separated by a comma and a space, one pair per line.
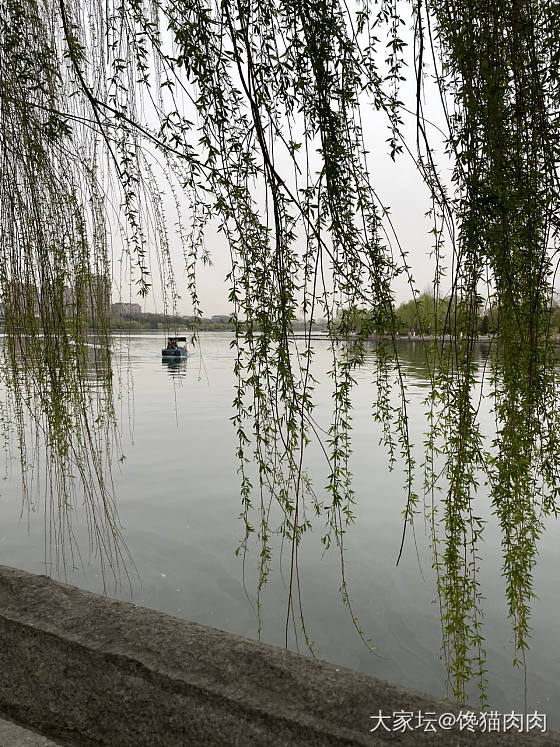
178, 501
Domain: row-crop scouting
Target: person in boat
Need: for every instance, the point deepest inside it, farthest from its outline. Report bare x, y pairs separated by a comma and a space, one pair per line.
172, 343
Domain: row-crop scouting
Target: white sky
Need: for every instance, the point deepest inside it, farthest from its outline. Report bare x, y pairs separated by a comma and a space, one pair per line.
398, 185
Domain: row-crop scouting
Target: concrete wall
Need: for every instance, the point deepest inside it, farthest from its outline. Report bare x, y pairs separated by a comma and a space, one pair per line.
94, 671
12, 735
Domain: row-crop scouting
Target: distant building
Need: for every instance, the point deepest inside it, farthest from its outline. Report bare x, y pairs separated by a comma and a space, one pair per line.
97, 295
89, 298
21, 299
122, 309
221, 318
68, 298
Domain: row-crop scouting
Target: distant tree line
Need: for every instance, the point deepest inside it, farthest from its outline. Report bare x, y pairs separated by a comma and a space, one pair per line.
170, 323
426, 315
165, 322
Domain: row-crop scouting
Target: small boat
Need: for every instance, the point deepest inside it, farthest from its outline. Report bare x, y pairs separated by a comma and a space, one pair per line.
173, 351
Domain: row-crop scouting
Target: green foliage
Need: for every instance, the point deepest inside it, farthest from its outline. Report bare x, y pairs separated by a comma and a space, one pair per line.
251, 113
54, 245
426, 315
498, 69
555, 320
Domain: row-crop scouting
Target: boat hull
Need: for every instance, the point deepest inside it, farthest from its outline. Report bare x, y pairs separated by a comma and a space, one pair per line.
173, 353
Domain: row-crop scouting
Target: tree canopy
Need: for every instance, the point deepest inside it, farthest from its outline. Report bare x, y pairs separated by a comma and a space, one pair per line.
253, 114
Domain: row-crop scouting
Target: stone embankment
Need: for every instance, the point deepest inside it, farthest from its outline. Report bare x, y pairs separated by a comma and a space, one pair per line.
86, 670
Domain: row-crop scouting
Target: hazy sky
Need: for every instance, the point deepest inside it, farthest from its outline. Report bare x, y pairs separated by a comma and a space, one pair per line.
398, 185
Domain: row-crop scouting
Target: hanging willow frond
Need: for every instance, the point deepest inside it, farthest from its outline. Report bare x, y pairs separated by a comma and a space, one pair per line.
256, 116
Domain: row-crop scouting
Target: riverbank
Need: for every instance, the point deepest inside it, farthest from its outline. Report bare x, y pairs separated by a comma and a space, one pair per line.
88, 670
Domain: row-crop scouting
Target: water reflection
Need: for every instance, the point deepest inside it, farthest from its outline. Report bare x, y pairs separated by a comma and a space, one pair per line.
179, 502
177, 369
418, 358
57, 410
90, 362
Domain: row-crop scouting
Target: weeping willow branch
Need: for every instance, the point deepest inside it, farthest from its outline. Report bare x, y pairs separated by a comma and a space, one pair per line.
498, 68
256, 117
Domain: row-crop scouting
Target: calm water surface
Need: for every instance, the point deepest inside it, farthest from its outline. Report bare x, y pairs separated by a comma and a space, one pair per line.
178, 501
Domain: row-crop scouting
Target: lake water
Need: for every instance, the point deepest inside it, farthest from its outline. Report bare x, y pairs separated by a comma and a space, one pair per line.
178, 501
